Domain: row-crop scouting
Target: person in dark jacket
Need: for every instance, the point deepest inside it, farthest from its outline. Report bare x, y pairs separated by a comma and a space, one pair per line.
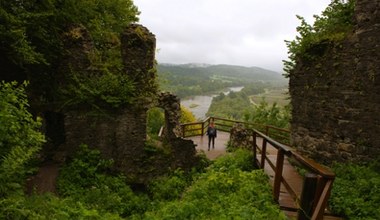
211, 133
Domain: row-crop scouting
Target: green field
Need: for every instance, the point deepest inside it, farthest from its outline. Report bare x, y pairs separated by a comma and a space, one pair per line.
280, 96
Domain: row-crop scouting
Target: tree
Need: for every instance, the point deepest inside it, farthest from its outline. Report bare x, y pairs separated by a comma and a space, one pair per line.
19, 137
269, 115
30, 30
333, 25
186, 116
32, 39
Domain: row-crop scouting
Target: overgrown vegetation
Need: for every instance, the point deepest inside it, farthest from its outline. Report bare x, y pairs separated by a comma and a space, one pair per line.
89, 189
266, 114
332, 26
231, 106
33, 35
228, 189
238, 106
356, 191
98, 91
156, 119
20, 139
31, 30
88, 179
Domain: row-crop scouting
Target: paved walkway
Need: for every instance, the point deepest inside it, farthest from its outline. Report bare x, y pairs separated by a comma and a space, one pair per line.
220, 144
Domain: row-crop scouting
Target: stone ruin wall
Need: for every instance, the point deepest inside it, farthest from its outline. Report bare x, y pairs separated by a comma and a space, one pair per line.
120, 134
336, 98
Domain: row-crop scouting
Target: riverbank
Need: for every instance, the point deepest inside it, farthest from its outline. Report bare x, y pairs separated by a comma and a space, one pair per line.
199, 105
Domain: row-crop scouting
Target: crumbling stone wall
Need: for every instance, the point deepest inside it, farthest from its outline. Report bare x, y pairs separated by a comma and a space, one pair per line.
172, 109
121, 134
336, 97
138, 52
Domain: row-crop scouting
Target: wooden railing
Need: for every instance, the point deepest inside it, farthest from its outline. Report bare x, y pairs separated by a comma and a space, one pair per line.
200, 128
317, 182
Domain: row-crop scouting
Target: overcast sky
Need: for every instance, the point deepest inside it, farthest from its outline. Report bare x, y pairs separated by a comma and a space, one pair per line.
237, 32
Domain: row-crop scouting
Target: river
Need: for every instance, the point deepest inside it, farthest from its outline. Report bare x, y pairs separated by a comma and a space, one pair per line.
200, 104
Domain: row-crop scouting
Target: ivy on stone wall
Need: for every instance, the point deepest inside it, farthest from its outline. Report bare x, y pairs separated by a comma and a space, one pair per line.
332, 26
98, 91
39, 40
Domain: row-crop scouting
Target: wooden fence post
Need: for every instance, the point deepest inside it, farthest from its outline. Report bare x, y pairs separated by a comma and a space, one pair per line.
278, 174
322, 201
254, 148
263, 153
308, 196
183, 130
203, 128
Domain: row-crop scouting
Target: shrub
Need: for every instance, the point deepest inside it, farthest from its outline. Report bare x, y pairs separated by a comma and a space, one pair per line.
168, 187
225, 191
19, 137
356, 191
87, 179
48, 207
332, 26
241, 159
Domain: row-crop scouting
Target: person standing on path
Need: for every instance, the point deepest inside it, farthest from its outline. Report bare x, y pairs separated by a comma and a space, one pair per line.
211, 133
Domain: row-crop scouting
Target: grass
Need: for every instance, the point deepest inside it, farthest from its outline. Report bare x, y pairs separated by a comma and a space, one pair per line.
280, 96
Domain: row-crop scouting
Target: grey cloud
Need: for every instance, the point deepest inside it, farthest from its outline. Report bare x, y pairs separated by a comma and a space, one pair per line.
240, 32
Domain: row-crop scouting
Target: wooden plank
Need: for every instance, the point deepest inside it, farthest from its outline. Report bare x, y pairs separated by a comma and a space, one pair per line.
292, 179
220, 144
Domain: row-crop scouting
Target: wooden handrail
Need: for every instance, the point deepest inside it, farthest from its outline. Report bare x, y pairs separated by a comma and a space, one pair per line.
226, 127
314, 166
325, 175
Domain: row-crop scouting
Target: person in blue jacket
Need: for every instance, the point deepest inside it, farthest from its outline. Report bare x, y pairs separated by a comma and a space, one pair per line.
211, 133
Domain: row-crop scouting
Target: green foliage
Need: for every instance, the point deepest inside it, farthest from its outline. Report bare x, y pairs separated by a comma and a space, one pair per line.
229, 106
30, 30
187, 80
332, 26
85, 170
98, 91
356, 191
238, 106
186, 116
223, 192
256, 88
87, 179
104, 19
168, 187
240, 159
155, 120
268, 115
32, 39
19, 137
48, 207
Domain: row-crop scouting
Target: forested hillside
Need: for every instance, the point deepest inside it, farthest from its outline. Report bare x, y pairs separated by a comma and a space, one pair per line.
195, 79
81, 90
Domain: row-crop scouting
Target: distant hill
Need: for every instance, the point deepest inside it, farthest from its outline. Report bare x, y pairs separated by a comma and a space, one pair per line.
221, 71
200, 78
